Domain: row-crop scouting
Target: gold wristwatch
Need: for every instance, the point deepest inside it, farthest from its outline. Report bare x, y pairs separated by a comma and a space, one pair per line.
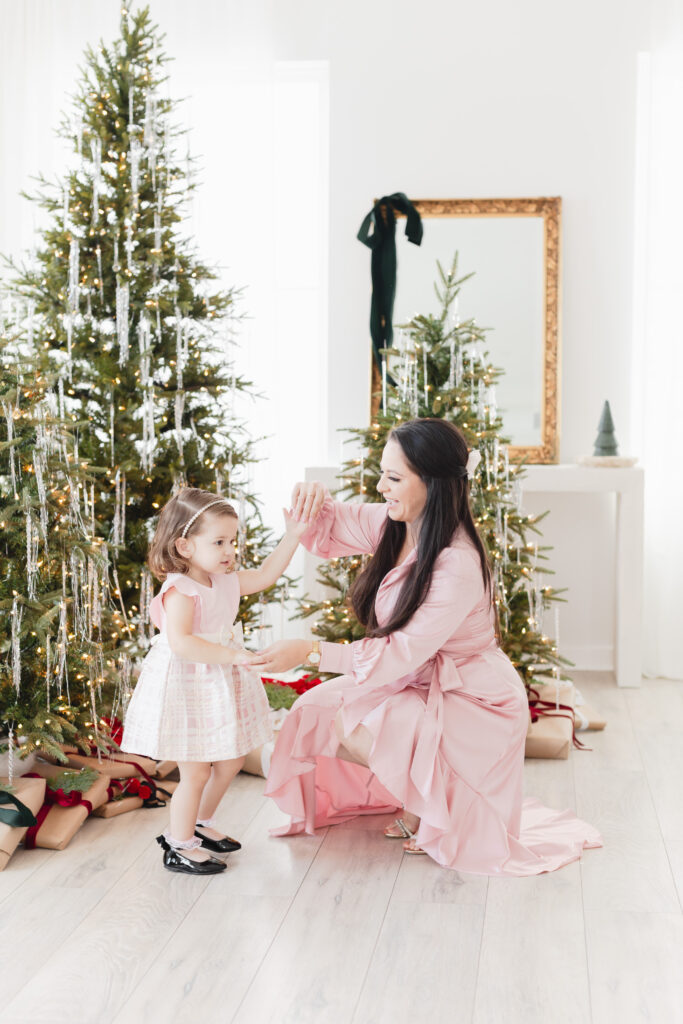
313, 657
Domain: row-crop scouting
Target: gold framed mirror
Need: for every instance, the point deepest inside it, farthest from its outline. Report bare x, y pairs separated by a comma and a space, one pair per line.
513, 248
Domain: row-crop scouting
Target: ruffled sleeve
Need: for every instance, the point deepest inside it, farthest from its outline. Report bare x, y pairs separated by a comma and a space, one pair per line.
184, 585
455, 590
345, 528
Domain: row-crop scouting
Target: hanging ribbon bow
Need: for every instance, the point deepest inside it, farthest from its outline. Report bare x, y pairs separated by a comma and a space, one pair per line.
382, 241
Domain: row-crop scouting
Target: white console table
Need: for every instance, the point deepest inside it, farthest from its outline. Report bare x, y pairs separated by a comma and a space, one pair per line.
628, 484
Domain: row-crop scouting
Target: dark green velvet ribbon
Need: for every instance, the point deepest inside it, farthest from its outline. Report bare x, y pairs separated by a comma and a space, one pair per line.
378, 232
22, 817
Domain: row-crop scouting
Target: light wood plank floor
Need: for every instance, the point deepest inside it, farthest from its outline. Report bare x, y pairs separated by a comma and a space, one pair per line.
342, 928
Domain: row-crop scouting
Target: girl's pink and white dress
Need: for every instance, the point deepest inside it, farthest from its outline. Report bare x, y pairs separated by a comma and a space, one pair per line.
189, 711
447, 712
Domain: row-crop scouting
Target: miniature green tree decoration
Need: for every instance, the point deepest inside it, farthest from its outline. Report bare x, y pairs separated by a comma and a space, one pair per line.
129, 318
443, 370
606, 442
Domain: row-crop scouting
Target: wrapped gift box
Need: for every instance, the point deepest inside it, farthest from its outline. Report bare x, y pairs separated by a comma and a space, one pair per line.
115, 807
31, 792
58, 825
164, 768
551, 735
587, 719
166, 787
118, 766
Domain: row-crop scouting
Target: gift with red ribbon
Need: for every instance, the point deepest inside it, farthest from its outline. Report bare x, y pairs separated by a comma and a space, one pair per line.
24, 793
551, 731
63, 810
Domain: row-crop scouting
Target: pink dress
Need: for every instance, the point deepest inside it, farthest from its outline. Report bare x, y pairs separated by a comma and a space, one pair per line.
190, 711
447, 712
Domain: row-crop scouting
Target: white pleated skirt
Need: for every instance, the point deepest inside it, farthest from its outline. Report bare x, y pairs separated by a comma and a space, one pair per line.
185, 711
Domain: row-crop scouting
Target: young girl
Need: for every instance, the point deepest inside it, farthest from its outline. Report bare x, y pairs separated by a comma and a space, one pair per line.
196, 701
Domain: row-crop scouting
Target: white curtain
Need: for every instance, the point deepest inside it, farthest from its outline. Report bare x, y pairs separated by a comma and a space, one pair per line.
658, 348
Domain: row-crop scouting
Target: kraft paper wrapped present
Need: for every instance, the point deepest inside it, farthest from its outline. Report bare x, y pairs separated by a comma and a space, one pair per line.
167, 787
551, 735
164, 768
117, 766
59, 819
586, 718
115, 807
31, 793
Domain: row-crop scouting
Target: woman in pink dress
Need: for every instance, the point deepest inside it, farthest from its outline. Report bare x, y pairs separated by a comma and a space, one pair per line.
429, 714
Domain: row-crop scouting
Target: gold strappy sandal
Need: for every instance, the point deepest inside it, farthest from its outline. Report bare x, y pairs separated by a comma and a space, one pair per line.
403, 832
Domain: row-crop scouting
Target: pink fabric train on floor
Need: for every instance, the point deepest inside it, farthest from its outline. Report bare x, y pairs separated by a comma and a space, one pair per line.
448, 714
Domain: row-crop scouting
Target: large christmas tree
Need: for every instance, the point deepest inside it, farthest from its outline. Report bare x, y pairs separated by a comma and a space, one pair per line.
116, 347
441, 368
126, 314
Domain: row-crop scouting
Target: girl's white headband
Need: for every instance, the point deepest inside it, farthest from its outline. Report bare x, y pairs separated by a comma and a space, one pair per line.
188, 524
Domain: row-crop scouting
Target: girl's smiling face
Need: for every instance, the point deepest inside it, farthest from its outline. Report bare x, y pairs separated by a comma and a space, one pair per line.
212, 549
403, 490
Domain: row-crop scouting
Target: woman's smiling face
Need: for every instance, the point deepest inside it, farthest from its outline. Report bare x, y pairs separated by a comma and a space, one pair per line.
400, 486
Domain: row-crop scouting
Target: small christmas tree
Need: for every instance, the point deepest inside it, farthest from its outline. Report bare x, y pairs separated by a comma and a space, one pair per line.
442, 369
54, 657
123, 311
606, 441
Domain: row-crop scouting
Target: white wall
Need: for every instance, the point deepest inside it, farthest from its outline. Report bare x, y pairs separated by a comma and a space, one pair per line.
437, 100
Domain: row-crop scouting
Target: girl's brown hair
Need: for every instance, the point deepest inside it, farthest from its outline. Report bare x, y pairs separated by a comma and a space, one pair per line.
163, 557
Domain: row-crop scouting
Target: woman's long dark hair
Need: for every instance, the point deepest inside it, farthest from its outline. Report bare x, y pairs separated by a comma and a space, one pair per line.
437, 451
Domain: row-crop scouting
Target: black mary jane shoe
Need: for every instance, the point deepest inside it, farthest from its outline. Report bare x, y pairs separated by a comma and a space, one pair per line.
175, 860
226, 845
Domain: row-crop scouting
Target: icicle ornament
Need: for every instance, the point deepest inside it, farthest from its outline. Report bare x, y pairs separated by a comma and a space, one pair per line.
129, 246
135, 156
119, 522
122, 305
17, 615
179, 409
10, 757
100, 282
74, 286
31, 556
96, 151
9, 417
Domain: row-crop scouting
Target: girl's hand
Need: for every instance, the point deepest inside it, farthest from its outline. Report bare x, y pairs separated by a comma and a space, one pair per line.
242, 657
284, 654
294, 527
307, 500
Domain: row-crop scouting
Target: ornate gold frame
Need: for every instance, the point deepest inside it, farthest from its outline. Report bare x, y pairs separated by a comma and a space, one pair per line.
549, 209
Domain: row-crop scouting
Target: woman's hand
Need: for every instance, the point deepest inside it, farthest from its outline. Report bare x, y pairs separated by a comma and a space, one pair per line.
294, 527
307, 500
284, 654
